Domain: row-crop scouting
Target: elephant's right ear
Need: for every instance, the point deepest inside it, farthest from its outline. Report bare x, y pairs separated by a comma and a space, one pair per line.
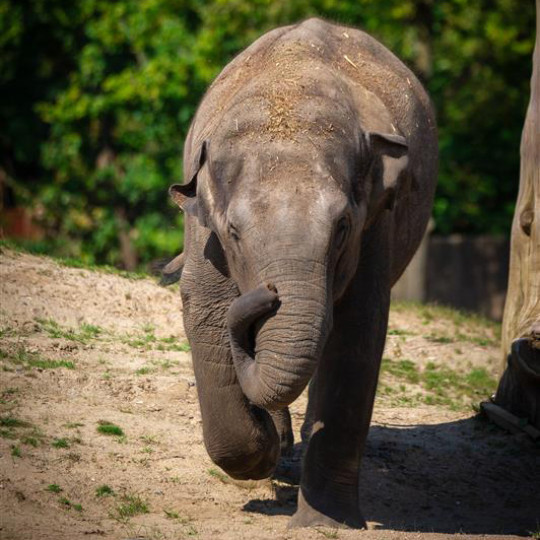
185, 195
388, 159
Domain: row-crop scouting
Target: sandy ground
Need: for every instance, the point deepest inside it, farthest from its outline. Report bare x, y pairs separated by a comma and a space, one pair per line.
429, 472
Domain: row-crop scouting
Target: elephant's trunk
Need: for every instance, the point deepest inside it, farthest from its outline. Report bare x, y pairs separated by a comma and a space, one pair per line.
275, 357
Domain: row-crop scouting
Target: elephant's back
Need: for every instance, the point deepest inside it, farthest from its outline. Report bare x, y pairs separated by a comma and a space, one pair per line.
315, 50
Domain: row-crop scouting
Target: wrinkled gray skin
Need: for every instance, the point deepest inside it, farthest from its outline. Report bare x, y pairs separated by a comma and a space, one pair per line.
310, 169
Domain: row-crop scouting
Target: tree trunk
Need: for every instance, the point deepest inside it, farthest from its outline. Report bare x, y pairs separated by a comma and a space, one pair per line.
127, 251
519, 387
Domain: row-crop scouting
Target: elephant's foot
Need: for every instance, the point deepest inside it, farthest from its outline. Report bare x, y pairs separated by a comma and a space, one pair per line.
329, 516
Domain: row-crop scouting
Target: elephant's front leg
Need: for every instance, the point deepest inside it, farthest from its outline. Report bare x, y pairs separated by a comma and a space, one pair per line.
342, 396
239, 437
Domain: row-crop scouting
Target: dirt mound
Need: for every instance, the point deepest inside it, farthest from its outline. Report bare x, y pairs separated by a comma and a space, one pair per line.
33, 287
101, 435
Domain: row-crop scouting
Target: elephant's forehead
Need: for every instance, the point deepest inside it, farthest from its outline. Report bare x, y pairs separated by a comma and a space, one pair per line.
311, 195
284, 166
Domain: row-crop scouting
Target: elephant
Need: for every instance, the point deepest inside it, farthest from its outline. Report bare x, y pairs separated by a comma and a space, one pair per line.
309, 175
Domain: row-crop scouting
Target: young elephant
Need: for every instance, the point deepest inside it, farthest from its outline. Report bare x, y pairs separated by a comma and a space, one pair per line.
311, 165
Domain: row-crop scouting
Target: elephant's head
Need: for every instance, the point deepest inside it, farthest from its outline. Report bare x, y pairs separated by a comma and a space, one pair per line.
290, 219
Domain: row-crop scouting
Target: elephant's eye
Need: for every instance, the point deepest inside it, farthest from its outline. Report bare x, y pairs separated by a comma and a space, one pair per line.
342, 231
233, 232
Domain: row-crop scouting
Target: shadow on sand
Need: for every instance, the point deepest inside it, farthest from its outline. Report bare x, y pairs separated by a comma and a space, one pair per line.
465, 476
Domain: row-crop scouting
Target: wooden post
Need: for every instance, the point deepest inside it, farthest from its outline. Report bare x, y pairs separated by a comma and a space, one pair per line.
519, 387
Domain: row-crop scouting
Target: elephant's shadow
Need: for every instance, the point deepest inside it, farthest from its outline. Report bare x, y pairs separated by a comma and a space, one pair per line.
465, 476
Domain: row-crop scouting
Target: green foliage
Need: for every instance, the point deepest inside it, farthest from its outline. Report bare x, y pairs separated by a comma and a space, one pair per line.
108, 428
12, 422
83, 334
61, 443
440, 384
96, 98
30, 359
104, 491
131, 505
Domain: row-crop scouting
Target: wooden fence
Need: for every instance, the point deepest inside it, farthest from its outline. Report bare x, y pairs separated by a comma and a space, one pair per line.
467, 272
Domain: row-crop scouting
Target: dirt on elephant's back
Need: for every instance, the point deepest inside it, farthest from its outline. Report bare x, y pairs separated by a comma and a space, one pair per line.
101, 434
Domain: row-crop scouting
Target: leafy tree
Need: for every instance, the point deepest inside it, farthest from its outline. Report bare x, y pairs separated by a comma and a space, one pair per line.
96, 98
117, 129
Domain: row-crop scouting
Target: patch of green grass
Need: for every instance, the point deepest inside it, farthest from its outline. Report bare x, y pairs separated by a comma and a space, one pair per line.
439, 339
171, 514
150, 439
104, 491
108, 428
145, 370
68, 505
182, 347
439, 384
131, 505
399, 332
216, 473
85, 333
459, 318
167, 364
439, 379
30, 441
16, 451
480, 382
61, 443
6, 331
106, 269
481, 341
12, 422
447, 385
402, 369
73, 425
29, 359
7, 397
148, 340
53, 364
138, 342
54, 488
74, 457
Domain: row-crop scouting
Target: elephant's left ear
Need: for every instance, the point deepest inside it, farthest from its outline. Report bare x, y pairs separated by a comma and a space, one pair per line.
185, 195
389, 158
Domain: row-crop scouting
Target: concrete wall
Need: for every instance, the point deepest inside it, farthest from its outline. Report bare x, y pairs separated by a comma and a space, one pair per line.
467, 272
